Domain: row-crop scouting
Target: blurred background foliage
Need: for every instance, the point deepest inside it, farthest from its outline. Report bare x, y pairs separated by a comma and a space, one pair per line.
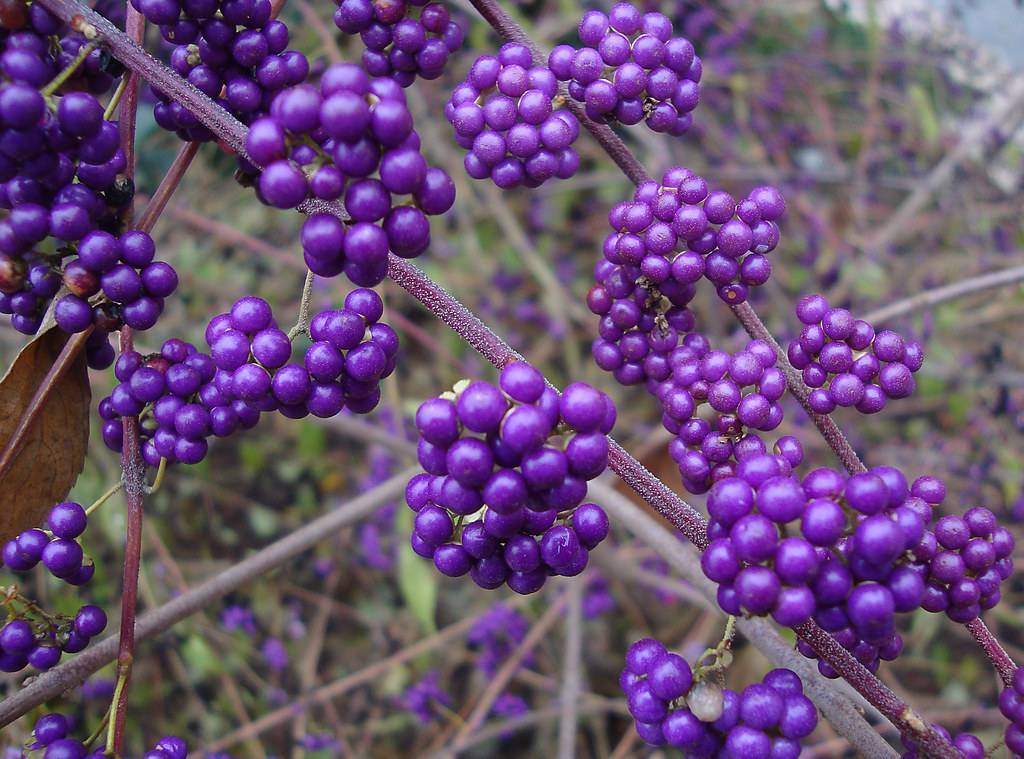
848, 113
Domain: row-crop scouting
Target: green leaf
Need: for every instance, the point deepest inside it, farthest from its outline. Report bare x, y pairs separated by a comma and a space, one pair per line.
926, 117
417, 580
202, 660
264, 522
312, 441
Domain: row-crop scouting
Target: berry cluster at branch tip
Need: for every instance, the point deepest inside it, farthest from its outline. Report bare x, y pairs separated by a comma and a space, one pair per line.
506, 471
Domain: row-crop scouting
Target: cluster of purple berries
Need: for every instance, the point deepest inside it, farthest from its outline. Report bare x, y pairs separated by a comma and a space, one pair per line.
37, 46
510, 464
40, 642
230, 50
631, 69
51, 733
835, 548
967, 558
188, 395
678, 231
32, 636
860, 368
122, 268
30, 284
1011, 704
503, 115
641, 323
350, 139
764, 721
742, 390
59, 550
404, 39
60, 167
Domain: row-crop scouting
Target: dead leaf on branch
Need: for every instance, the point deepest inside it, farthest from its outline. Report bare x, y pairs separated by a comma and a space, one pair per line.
52, 452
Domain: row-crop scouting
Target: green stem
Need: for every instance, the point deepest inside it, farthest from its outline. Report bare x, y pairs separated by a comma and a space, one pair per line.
99, 730
115, 99
122, 681
70, 69
112, 490
721, 655
159, 479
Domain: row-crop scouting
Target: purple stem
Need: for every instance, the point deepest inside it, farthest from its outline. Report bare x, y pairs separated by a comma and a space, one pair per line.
826, 425
132, 467
461, 320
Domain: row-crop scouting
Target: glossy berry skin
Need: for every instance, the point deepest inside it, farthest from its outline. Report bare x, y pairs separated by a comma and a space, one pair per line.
717, 404
964, 570
507, 463
370, 163
702, 719
855, 553
403, 41
503, 115
194, 395
630, 68
848, 362
67, 520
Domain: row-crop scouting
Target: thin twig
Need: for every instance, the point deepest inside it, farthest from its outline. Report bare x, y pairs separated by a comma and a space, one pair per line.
133, 469
501, 678
133, 475
994, 650
328, 39
158, 202
332, 690
572, 673
945, 293
1005, 111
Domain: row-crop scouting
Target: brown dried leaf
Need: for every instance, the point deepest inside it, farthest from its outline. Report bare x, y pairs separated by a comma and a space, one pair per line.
53, 451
